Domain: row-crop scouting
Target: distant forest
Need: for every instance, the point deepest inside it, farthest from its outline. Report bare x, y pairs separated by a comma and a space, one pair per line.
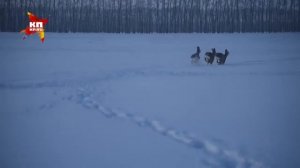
161, 16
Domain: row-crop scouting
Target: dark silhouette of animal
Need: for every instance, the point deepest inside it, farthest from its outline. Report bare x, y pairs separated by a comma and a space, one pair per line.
221, 58
196, 56
210, 56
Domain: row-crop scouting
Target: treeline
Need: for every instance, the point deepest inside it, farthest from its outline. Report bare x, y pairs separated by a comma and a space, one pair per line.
162, 16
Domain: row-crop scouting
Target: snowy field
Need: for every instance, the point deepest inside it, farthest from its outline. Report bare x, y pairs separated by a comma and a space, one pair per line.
135, 101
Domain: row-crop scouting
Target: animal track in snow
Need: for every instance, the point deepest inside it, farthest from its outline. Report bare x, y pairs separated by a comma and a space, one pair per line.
216, 156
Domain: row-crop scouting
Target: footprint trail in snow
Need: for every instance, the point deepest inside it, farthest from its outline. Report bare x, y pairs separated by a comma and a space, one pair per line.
216, 156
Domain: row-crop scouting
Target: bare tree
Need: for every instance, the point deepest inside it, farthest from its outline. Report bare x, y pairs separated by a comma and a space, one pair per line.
146, 16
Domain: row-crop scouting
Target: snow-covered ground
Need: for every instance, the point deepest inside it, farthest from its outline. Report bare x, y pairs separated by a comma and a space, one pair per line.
135, 101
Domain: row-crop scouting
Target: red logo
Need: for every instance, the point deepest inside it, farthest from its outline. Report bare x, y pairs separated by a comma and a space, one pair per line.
36, 25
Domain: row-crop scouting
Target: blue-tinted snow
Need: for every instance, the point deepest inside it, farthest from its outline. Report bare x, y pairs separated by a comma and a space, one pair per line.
119, 100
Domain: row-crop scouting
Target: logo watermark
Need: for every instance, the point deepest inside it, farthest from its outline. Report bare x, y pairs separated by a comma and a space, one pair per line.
36, 25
